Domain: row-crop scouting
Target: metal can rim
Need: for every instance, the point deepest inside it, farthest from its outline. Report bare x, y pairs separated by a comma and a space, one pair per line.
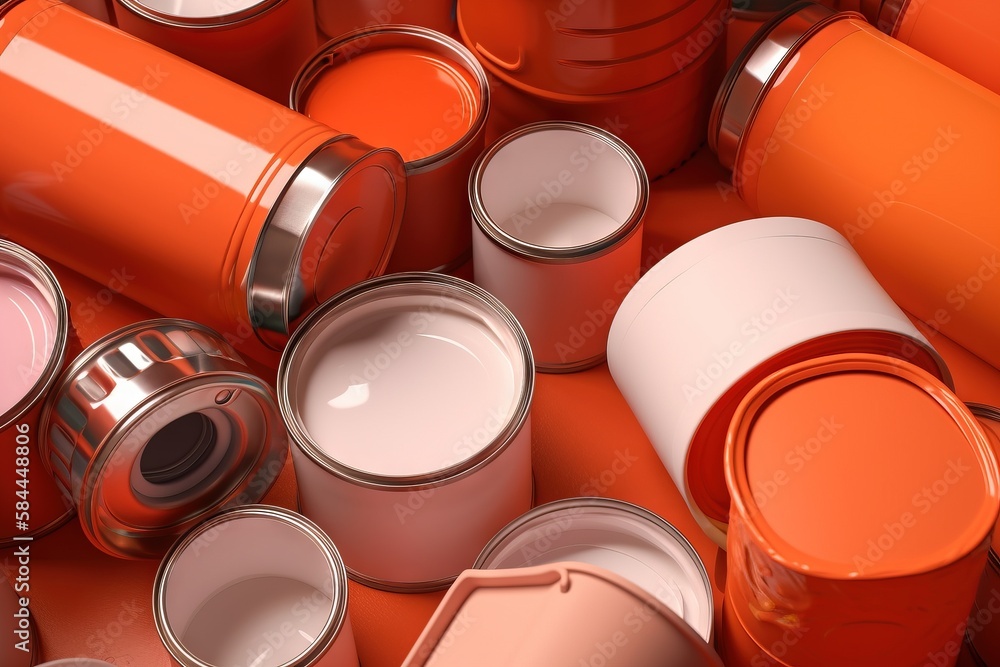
222, 20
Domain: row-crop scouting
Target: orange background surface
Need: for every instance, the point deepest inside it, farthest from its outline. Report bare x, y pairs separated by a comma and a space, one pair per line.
88, 604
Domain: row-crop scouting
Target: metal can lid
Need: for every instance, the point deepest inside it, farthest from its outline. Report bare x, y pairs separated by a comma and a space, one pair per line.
198, 13
334, 225
627, 539
156, 426
598, 604
754, 70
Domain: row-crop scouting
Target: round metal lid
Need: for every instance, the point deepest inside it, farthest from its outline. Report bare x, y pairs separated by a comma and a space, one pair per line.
756, 68
198, 13
155, 427
334, 226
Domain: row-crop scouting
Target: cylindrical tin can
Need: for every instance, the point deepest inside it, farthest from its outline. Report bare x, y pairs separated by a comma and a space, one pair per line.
557, 235
102, 10
259, 44
613, 621
984, 620
601, 47
664, 123
20, 645
424, 95
624, 538
683, 367
962, 34
864, 495
34, 334
789, 112
339, 17
251, 214
408, 402
153, 428
256, 585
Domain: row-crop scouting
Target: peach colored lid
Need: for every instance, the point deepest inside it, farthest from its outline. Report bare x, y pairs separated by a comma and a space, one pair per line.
558, 614
833, 455
989, 419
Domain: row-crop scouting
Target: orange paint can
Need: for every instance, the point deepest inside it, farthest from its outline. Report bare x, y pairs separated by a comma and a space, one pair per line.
235, 211
259, 44
339, 17
910, 186
864, 497
962, 34
981, 629
423, 94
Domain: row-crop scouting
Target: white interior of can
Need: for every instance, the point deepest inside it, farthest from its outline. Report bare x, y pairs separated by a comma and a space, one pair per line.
250, 590
409, 382
198, 9
28, 331
617, 540
559, 188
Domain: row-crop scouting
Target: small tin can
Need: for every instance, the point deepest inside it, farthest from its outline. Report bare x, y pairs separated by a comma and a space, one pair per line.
251, 213
156, 426
626, 539
791, 110
255, 585
259, 44
864, 496
491, 619
557, 212
683, 367
408, 400
982, 627
599, 47
20, 645
961, 34
423, 94
34, 333
339, 17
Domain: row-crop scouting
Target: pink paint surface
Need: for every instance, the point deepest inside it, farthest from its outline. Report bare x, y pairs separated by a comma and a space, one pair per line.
27, 334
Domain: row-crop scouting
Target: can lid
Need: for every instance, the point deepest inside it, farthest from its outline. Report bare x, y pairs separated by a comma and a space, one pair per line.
989, 419
624, 538
924, 483
153, 428
756, 68
334, 225
488, 618
198, 13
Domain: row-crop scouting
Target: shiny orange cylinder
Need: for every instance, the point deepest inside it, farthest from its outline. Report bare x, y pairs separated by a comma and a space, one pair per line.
849, 127
339, 17
235, 211
962, 34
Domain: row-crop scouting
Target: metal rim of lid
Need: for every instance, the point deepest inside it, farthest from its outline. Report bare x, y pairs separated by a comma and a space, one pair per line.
818, 367
47, 283
488, 306
755, 68
171, 13
389, 36
89, 475
275, 302
547, 254
587, 502
332, 628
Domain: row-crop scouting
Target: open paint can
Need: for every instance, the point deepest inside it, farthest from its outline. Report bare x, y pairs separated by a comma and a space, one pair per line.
626, 539
723, 312
984, 621
339, 17
155, 427
593, 617
864, 495
255, 585
408, 398
557, 210
34, 334
423, 94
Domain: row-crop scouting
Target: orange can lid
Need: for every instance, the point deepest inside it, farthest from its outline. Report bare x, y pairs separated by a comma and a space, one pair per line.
829, 457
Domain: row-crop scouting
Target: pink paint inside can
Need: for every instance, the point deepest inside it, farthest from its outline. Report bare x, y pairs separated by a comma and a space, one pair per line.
28, 332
